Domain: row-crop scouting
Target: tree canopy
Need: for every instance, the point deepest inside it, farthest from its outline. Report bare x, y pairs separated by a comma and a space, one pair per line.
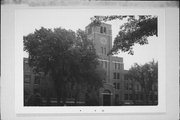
146, 75
134, 31
65, 55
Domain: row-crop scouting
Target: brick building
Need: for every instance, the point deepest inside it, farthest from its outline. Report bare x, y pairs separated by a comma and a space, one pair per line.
117, 88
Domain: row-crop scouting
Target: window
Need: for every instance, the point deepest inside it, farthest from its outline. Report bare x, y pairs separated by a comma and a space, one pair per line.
118, 76
102, 63
151, 97
102, 50
101, 29
118, 86
126, 86
141, 97
114, 85
137, 97
119, 66
155, 97
37, 80
130, 96
126, 96
116, 99
27, 79
116, 96
115, 66
105, 64
104, 29
130, 86
114, 75
105, 73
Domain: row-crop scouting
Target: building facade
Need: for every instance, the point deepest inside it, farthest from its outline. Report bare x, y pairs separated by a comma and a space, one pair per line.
117, 88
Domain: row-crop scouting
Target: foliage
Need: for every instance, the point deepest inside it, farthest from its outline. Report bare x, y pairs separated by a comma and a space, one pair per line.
134, 31
146, 75
65, 55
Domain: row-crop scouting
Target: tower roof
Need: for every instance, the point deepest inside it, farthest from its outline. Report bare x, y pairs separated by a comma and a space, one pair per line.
102, 24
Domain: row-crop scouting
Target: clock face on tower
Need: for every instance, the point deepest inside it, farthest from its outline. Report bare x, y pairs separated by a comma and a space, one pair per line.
103, 40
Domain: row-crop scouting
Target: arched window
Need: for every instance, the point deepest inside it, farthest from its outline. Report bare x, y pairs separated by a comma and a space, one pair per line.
101, 30
104, 29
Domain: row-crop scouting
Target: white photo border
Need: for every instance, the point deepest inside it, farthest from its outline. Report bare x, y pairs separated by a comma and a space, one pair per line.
160, 108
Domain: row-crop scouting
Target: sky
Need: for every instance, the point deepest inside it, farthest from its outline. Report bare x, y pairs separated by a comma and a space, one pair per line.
30, 19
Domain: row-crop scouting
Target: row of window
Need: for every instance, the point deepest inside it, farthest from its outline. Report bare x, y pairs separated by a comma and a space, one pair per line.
127, 96
117, 66
102, 30
117, 86
104, 65
139, 97
116, 75
129, 86
130, 97
103, 50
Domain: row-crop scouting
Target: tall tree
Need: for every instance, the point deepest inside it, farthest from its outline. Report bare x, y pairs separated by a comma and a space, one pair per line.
66, 56
134, 31
146, 75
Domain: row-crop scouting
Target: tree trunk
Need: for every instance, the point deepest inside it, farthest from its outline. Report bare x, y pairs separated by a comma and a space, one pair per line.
58, 97
76, 99
146, 96
47, 97
133, 93
153, 102
63, 89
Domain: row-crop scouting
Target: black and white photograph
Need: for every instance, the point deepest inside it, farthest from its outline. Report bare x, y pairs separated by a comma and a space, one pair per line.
89, 58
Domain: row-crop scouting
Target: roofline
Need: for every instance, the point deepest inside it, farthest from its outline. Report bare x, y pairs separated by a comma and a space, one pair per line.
101, 23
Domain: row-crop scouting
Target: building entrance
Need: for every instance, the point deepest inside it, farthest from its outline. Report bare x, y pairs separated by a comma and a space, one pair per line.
106, 98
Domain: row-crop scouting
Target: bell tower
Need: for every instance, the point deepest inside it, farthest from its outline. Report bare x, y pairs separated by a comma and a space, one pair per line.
102, 38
